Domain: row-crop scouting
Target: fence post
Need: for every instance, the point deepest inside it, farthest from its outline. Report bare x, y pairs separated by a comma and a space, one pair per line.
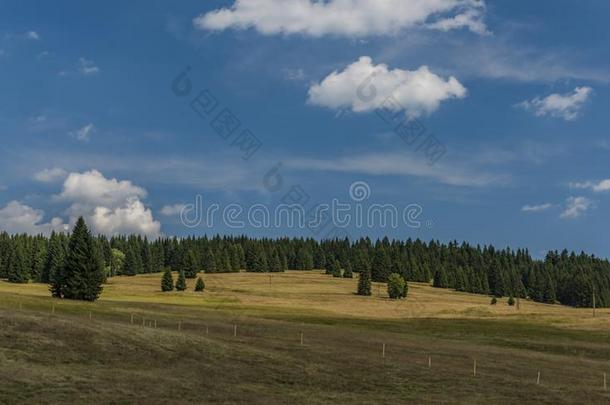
538, 379
474, 369
301, 338
234, 330
383, 351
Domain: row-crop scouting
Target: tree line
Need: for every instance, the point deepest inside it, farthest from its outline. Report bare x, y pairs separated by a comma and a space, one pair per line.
564, 277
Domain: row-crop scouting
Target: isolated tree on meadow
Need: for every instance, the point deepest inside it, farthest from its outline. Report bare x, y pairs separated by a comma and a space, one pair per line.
167, 281
494, 301
511, 300
397, 286
200, 285
181, 282
83, 272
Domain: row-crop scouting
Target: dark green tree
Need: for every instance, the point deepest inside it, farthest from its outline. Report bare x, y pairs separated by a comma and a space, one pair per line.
181, 282
397, 286
200, 285
363, 267
167, 281
83, 271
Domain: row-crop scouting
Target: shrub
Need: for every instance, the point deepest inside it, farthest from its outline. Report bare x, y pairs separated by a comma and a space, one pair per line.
511, 301
494, 301
200, 285
397, 286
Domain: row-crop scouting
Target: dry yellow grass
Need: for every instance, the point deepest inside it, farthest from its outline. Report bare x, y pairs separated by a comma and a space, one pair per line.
316, 293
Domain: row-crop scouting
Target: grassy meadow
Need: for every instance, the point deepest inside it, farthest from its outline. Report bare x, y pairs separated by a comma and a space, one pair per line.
299, 337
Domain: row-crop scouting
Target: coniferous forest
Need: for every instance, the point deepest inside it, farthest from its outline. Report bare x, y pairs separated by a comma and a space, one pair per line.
75, 265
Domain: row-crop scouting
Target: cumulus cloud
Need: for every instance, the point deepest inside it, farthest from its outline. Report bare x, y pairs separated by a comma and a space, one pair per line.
84, 134
50, 175
350, 18
171, 210
87, 67
597, 186
16, 217
536, 208
566, 106
575, 207
364, 86
91, 187
110, 206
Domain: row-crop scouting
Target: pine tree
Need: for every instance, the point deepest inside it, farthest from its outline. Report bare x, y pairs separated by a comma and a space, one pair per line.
440, 278
275, 264
167, 281
347, 271
363, 267
511, 300
83, 271
133, 262
181, 282
190, 265
54, 260
200, 285
18, 271
382, 265
209, 262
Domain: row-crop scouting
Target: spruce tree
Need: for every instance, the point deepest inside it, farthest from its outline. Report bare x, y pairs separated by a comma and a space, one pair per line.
363, 267
133, 261
511, 300
200, 285
181, 282
18, 271
347, 271
83, 272
275, 264
167, 281
191, 265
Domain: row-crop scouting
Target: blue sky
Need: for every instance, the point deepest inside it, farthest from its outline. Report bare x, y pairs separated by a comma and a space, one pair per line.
516, 92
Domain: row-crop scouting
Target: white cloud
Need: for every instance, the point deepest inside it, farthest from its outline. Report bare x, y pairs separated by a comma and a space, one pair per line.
50, 175
171, 210
84, 134
131, 217
575, 207
110, 206
536, 208
32, 35
471, 19
87, 67
363, 86
20, 218
597, 186
397, 164
566, 106
92, 187
350, 18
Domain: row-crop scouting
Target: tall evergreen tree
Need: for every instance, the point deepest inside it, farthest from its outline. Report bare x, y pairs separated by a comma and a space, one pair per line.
181, 282
83, 272
362, 265
167, 281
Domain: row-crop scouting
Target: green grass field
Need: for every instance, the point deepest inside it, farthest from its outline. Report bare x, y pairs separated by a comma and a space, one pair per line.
240, 341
